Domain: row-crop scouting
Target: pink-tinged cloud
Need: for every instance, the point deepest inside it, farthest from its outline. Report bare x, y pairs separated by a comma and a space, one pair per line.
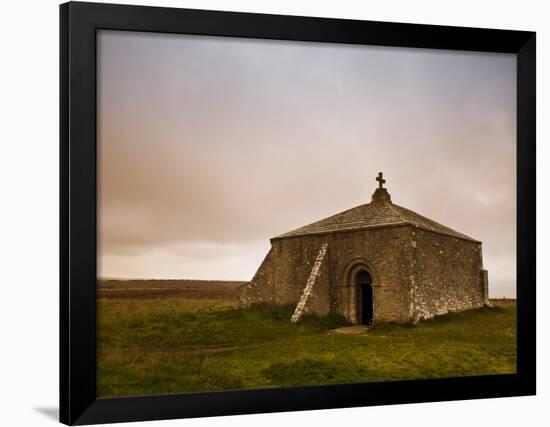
209, 146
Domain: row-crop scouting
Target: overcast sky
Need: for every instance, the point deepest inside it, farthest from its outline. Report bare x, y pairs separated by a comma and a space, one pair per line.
210, 146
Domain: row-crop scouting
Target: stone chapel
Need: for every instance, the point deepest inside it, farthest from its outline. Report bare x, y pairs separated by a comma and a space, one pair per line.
378, 262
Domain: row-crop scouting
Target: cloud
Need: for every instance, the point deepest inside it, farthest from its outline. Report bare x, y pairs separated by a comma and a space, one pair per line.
234, 141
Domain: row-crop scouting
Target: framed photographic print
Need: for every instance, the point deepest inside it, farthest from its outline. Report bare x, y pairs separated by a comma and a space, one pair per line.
267, 213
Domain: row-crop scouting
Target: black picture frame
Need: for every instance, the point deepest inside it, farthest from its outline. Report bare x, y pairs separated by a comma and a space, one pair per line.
78, 25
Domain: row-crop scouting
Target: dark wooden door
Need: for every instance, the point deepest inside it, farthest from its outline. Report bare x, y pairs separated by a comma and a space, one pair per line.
364, 284
366, 302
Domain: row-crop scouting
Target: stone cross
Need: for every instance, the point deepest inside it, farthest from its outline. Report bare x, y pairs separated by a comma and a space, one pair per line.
381, 181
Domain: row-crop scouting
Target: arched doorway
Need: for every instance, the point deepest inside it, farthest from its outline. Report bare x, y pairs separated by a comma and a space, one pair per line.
365, 312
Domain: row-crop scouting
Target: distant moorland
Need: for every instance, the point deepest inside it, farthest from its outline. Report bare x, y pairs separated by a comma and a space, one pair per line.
158, 289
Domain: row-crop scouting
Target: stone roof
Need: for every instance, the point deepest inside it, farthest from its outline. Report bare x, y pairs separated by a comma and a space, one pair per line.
381, 212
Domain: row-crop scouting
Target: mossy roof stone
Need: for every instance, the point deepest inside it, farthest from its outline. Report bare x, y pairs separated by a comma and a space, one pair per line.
381, 212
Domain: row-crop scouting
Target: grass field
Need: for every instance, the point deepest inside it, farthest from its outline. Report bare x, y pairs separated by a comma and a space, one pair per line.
170, 345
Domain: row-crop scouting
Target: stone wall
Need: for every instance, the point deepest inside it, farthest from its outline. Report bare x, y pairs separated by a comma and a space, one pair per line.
260, 289
293, 260
385, 252
314, 293
485, 286
416, 274
447, 275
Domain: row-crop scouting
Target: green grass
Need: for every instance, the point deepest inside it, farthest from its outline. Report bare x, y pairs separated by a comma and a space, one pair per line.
176, 345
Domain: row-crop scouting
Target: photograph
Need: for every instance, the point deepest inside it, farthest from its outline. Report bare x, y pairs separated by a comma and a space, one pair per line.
281, 213
241, 213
